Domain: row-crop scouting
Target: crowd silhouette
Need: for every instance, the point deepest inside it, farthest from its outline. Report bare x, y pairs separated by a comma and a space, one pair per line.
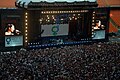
78, 62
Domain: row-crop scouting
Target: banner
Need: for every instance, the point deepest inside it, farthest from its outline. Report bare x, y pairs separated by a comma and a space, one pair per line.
11, 41
54, 30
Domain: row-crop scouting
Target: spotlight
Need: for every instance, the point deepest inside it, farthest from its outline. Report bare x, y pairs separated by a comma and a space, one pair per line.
25, 30
48, 18
26, 41
26, 24
73, 14
25, 16
25, 37
62, 19
93, 23
26, 13
40, 20
26, 20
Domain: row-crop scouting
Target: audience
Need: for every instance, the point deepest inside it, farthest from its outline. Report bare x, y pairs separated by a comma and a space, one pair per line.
78, 62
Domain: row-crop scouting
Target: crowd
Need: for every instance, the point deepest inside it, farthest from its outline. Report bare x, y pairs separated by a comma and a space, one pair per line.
78, 62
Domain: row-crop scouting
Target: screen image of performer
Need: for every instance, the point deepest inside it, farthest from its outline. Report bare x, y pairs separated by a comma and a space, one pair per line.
10, 30
99, 25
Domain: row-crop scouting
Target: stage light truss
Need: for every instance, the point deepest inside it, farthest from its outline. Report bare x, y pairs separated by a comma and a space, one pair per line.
93, 24
57, 12
59, 18
26, 27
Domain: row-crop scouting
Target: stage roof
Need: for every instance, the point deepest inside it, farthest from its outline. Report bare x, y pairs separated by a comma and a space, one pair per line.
50, 1
55, 0
26, 3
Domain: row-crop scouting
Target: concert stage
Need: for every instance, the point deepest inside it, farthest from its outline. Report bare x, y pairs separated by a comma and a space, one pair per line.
44, 24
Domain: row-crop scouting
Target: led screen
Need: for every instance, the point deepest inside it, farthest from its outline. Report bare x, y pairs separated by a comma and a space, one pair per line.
99, 30
11, 29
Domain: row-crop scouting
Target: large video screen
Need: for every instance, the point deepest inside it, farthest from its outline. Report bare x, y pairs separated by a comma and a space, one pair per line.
99, 30
13, 35
101, 24
11, 29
